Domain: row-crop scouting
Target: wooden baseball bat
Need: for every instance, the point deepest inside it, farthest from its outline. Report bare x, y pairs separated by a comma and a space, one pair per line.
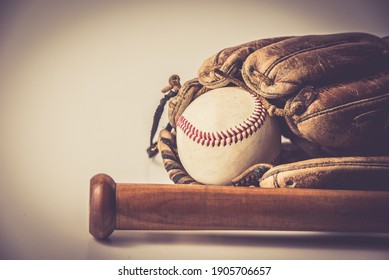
118, 206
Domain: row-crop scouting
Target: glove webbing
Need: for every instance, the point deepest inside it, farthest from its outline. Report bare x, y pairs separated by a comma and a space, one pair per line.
171, 161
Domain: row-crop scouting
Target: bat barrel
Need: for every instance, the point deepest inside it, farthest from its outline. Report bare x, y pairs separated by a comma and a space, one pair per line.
201, 207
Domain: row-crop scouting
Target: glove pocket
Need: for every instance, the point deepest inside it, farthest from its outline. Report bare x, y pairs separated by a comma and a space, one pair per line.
347, 173
283, 68
351, 115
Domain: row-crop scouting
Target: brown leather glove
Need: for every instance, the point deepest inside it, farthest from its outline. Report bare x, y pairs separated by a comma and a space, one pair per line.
331, 96
334, 88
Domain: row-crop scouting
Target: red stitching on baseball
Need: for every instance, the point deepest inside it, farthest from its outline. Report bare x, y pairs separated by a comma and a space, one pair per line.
229, 136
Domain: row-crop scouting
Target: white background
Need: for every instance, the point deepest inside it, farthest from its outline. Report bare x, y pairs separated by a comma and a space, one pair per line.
79, 83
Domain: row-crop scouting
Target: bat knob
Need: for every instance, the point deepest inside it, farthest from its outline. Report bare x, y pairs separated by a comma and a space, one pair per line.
102, 206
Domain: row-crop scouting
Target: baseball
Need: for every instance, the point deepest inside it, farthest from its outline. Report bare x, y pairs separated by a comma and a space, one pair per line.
223, 132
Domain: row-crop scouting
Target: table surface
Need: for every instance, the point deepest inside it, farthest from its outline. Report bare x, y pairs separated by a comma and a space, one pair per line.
79, 84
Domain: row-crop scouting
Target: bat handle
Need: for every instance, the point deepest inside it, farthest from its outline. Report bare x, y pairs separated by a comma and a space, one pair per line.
102, 206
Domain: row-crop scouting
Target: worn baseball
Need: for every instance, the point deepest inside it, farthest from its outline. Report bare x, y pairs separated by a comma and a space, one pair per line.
223, 132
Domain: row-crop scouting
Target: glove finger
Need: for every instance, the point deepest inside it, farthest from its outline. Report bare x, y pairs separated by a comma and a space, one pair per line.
348, 173
352, 115
284, 67
229, 61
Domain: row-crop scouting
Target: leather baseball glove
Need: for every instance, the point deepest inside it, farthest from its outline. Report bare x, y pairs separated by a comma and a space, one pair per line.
330, 95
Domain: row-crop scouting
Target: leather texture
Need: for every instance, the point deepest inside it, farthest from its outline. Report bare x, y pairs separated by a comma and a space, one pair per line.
338, 82
348, 118
333, 95
286, 67
230, 61
282, 66
353, 173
